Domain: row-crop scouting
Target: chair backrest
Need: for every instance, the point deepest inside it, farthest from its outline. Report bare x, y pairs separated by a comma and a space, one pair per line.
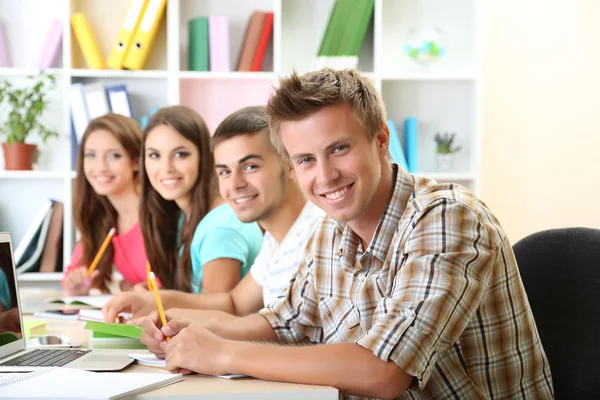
560, 269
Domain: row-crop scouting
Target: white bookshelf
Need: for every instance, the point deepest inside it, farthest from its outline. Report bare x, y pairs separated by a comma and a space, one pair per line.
444, 98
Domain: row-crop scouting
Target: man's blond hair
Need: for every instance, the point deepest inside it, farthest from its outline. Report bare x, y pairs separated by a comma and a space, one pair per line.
299, 96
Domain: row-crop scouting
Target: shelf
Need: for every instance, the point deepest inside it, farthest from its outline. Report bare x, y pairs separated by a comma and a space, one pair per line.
40, 277
227, 75
447, 176
28, 71
118, 73
31, 174
430, 76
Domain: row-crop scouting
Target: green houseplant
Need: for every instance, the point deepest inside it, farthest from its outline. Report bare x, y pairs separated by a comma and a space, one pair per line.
25, 105
445, 150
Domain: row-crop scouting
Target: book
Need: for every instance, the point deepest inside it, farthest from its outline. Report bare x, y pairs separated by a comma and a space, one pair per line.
411, 140
218, 37
52, 255
251, 39
80, 117
87, 314
87, 41
52, 45
29, 254
34, 327
263, 41
4, 62
198, 44
67, 383
344, 34
90, 301
118, 97
124, 39
96, 100
150, 360
396, 147
114, 329
144, 35
30, 247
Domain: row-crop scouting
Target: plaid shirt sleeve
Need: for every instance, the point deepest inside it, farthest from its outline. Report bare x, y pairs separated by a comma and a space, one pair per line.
441, 265
295, 316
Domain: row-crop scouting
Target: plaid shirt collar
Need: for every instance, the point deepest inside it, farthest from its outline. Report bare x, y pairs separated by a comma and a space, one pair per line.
350, 249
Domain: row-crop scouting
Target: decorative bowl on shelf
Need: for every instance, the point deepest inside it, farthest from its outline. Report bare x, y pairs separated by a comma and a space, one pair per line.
424, 45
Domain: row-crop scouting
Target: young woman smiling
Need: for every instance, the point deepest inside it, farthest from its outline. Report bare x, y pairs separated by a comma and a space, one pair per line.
193, 239
107, 195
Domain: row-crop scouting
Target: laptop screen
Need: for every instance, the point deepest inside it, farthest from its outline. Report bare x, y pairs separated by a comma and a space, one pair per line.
10, 319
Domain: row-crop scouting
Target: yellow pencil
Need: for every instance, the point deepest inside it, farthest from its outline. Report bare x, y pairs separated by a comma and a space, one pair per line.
148, 270
161, 311
101, 251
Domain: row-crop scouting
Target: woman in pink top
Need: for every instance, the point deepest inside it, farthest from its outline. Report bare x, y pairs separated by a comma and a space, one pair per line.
107, 195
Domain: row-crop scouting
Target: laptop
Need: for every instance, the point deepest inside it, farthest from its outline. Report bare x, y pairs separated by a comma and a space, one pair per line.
14, 354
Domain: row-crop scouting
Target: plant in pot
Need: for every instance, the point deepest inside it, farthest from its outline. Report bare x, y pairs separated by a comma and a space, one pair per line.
25, 105
445, 150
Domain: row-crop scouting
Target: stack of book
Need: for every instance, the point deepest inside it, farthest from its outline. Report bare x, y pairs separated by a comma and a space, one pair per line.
209, 43
41, 249
344, 34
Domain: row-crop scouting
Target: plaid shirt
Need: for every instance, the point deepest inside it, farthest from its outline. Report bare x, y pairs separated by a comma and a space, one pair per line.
437, 291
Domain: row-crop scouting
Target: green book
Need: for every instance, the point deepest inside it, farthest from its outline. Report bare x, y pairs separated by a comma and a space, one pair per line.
324, 49
101, 329
366, 14
354, 9
198, 44
339, 29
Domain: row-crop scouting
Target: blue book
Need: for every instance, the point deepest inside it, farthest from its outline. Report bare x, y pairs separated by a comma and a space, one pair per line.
411, 141
396, 147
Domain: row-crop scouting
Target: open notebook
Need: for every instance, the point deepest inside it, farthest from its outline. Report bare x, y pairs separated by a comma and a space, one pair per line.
150, 360
65, 383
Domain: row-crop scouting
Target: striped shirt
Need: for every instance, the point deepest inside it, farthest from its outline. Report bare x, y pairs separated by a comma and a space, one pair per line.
437, 291
277, 263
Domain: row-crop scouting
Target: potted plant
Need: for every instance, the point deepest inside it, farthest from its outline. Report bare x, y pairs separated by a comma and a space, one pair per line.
25, 108
445, 150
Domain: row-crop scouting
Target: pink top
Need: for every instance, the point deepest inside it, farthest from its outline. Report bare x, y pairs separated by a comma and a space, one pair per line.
129, 256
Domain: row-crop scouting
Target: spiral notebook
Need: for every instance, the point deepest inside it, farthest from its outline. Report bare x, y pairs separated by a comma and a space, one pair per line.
66, 383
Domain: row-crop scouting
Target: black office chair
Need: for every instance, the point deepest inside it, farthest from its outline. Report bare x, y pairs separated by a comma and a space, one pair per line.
560, 269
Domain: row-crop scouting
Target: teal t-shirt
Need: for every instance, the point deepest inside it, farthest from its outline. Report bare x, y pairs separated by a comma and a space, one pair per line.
220, 234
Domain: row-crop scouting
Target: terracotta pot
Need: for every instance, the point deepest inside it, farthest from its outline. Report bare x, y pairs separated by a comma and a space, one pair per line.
19, 156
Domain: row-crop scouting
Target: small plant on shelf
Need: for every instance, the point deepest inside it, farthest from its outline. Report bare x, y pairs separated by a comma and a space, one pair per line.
25, 106
445, 150
444, 143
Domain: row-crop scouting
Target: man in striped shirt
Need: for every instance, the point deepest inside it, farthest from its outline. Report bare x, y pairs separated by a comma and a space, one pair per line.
409, 288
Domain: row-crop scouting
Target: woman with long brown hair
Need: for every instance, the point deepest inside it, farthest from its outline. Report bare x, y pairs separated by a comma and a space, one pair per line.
107, 195
193, 239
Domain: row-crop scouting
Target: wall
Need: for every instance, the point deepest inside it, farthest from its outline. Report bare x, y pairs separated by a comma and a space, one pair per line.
541, 114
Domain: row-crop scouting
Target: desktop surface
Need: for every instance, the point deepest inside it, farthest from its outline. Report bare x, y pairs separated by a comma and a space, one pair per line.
200, 386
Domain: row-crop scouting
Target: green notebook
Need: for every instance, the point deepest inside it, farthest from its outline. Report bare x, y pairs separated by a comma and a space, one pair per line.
113, 330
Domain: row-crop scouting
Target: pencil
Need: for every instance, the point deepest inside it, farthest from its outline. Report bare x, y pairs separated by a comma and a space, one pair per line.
148, 270
161, 311
101, 251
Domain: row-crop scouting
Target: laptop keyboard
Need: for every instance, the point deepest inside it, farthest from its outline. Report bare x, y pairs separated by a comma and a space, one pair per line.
45, 358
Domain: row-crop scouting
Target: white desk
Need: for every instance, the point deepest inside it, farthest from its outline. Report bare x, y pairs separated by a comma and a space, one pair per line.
204, 387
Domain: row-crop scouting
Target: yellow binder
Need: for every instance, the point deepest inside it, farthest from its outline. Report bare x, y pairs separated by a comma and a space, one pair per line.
130, 25
87, 41
144, 36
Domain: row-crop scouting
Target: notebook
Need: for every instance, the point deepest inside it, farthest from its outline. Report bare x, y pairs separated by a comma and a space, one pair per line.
15, 355
91, 301
150, 360
62, 383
